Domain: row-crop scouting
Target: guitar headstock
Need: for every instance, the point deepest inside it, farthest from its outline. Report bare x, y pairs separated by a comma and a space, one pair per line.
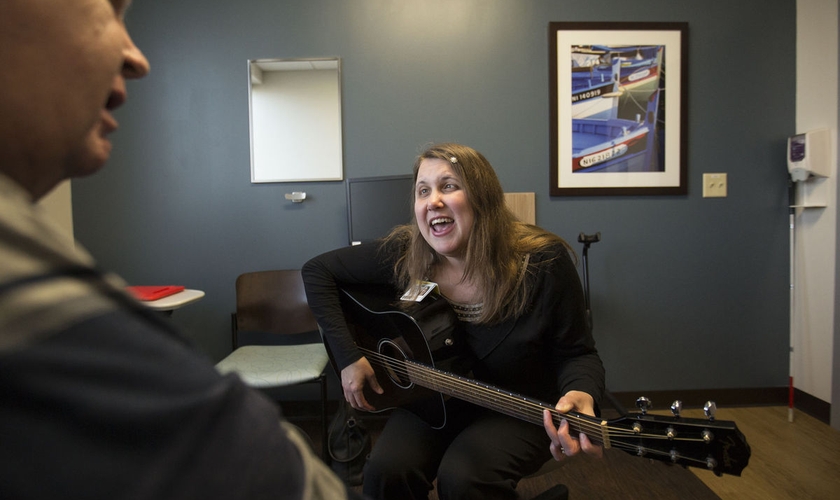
716, 445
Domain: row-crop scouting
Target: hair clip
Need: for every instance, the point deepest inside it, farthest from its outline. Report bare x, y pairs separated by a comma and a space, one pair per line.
453, 160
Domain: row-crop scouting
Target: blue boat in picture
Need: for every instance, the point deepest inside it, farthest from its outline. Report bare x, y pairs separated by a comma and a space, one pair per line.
617, 144
639, 64
635, 71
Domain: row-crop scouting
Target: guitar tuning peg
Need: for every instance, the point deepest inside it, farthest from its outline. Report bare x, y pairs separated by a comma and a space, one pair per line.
711, 464
676, 407
710, 408
643, 404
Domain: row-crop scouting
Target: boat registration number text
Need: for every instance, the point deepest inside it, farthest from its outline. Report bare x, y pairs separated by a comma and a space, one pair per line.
602, 156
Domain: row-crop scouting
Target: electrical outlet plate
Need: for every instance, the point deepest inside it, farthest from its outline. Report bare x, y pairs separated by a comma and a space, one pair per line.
714, 185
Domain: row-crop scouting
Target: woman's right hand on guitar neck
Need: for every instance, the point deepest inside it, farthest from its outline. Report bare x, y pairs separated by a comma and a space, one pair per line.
354, 378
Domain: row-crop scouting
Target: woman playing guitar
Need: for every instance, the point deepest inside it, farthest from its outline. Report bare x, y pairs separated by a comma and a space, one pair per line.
518, 299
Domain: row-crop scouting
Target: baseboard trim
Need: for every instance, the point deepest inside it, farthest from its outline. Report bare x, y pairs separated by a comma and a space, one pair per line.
814, 406
761, 396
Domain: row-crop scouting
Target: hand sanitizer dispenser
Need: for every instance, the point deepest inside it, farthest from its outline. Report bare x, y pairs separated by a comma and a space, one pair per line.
808, 154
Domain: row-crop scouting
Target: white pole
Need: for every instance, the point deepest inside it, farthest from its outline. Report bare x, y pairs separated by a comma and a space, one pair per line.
792, 198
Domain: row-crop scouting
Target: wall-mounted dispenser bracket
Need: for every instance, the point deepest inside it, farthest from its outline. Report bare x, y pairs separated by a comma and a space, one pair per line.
296, 196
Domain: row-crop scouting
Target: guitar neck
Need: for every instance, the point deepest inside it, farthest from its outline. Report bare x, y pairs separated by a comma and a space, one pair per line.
493, 398
489, 396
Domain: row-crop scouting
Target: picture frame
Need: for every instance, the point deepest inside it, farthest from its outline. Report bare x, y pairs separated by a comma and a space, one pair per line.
615, 127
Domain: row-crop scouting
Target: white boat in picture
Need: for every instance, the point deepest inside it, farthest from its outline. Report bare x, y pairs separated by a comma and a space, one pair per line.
594, 91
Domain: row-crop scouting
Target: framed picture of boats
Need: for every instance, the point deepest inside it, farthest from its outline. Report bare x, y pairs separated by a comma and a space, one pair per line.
618, 115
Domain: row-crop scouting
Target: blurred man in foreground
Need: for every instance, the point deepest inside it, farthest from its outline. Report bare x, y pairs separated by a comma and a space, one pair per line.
101, 398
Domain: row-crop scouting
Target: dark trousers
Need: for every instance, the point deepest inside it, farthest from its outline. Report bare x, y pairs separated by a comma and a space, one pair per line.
479, 454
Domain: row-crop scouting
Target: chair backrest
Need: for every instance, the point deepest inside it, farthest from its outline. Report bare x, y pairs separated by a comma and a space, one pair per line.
272, 302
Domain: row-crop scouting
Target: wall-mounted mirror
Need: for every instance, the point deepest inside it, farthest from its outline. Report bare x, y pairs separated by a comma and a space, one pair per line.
295, 110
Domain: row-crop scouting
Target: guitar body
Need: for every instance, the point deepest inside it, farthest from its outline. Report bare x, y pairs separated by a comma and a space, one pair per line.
425, 332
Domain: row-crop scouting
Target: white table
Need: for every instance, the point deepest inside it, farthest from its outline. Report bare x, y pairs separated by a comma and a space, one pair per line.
176, 300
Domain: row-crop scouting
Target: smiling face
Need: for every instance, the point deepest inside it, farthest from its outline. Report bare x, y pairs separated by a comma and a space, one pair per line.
65, 63
443, 212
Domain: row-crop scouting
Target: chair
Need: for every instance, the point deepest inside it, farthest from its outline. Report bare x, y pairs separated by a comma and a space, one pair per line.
272, 311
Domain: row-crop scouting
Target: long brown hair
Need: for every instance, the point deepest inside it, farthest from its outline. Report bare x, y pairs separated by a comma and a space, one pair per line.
498, 242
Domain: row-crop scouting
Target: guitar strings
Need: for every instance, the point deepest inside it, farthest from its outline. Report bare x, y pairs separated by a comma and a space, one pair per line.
523, 409
477, 393
451, 384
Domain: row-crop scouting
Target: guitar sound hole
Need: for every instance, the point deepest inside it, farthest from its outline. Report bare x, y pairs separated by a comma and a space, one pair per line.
393, 362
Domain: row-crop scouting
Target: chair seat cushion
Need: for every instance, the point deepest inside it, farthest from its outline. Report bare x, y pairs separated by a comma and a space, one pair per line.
274, 366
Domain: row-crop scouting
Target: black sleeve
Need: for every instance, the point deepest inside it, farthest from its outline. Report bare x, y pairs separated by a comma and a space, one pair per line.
116, 407
578, 365
370, 264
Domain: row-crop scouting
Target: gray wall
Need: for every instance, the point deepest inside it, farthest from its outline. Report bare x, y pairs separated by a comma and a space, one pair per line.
688, 293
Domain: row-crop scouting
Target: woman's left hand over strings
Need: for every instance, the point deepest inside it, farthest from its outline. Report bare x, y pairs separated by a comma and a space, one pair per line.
563, 443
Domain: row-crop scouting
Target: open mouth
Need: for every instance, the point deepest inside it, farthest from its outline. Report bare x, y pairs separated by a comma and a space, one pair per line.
439, 225
115, 100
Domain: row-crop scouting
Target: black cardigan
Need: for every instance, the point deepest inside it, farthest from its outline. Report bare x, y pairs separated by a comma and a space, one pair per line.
544, 353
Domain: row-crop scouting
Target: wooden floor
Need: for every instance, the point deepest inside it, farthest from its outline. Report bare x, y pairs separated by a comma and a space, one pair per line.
798, 460
790, 460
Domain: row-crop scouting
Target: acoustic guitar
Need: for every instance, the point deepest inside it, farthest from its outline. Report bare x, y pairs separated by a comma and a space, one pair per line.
407, 347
